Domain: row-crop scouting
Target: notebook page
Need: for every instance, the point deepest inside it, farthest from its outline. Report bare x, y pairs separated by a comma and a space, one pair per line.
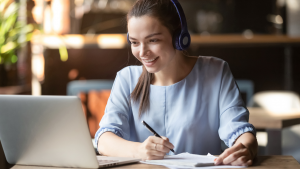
186, 160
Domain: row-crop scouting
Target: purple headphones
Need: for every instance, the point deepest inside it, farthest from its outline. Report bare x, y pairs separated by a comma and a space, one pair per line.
181, 38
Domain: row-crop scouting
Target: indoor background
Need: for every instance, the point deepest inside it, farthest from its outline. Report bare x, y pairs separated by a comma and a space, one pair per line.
73, 47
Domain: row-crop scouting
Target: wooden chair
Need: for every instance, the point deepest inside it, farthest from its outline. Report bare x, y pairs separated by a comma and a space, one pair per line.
246, 87
94, 95
94, 103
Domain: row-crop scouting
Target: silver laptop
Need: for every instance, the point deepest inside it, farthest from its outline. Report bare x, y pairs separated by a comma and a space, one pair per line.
49, 131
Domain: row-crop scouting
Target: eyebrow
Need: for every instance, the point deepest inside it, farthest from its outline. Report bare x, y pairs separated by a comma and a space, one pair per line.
153, 34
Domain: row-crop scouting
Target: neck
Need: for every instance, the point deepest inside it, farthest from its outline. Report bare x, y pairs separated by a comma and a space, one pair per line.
175, 71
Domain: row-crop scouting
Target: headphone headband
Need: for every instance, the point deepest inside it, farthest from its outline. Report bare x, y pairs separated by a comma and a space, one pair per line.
181, 15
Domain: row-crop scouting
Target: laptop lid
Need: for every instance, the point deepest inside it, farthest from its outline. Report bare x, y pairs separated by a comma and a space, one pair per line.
45, 131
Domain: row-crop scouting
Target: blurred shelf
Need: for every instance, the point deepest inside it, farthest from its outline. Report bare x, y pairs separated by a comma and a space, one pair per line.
15, 89
240, 39
119, 41
78, 41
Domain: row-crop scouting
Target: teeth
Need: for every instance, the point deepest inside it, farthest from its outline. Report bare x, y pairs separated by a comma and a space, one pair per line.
149, 60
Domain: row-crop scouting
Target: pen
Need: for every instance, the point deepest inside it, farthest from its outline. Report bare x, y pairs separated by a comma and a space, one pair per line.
153, 132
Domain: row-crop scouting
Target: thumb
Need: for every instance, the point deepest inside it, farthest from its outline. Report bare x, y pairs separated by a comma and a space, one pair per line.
165, 138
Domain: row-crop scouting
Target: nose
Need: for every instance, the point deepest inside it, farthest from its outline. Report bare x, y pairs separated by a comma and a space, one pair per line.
144, 51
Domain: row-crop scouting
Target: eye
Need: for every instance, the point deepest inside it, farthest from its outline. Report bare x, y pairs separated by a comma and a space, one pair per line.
134, 43
153, 40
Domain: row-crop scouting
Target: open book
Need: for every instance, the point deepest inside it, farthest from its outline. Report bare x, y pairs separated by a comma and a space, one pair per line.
187, 160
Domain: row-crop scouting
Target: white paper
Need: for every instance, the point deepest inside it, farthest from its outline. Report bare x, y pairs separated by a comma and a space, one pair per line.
187, 160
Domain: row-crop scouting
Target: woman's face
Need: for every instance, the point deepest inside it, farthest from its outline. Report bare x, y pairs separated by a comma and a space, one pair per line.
151, 43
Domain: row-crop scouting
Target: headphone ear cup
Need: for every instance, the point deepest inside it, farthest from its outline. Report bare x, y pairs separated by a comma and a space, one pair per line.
128, 38
176, 43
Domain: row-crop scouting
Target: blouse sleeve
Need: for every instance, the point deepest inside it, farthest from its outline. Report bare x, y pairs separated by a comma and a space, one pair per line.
234, 115
117, 110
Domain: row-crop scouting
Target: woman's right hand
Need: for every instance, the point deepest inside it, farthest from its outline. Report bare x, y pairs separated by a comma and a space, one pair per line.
154, 148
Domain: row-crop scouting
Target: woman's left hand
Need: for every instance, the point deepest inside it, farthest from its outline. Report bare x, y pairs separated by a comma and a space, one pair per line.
237, 155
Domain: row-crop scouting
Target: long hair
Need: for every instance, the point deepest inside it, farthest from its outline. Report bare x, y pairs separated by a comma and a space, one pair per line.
165, 12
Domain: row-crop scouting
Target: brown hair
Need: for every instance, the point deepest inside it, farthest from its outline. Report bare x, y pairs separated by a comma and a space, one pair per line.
165, 12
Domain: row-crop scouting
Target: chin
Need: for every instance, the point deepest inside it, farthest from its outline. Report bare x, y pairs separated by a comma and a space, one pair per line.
152, 70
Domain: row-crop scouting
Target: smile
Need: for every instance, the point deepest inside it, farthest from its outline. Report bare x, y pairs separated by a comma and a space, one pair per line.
151, 60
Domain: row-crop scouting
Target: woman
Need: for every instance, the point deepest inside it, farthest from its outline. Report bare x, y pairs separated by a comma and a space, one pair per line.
193, 101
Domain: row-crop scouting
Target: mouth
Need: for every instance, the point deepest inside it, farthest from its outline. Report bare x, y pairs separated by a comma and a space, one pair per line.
150, 60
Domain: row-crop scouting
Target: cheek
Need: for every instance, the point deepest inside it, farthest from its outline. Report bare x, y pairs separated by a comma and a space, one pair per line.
135, 53
164, 49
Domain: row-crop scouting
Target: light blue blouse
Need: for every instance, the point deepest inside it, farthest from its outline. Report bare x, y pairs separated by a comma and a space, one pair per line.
195, 113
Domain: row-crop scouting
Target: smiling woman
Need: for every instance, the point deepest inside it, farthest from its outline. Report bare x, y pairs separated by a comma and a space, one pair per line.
193, 101
153, 31
155, 51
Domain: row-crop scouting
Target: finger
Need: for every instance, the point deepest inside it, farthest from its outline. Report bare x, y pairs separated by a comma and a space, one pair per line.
166, 143
165, 138
234, 156
242, 161
150, 146
155, 153
162, 148
228, 151
158, 147
249, 162
169, 144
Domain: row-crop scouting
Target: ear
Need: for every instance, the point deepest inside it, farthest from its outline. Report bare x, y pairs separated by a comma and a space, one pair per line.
176, 43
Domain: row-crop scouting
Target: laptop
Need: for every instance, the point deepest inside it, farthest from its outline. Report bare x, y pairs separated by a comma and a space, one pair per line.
49, 131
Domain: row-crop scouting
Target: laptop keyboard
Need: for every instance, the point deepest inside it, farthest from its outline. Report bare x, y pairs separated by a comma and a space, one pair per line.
107, 161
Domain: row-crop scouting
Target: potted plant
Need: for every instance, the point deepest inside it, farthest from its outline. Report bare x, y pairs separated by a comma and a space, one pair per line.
14, 33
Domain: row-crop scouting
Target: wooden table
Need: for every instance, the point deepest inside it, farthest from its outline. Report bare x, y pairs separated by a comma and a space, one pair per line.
273, 123
262, 162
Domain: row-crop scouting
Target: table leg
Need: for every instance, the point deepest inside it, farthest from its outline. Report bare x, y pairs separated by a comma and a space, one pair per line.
288, 74
274, 142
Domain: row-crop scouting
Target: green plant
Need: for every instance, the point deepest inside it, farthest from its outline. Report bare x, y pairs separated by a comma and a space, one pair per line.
13, 32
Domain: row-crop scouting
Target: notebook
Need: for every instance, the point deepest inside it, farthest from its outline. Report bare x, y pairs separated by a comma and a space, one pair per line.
187, 160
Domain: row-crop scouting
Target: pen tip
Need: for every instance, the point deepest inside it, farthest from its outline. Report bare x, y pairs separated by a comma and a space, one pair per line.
142, 121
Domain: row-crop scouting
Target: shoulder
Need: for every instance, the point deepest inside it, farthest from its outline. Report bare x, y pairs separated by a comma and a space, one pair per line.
212, 64
129, 75
130, 71
212, 67
211, 61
